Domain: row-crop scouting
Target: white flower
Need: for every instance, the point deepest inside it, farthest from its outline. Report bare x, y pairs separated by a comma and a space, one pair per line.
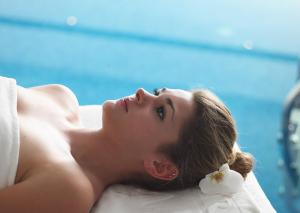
225, 182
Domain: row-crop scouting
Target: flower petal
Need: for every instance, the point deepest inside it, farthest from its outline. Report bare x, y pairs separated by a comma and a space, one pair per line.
230, 183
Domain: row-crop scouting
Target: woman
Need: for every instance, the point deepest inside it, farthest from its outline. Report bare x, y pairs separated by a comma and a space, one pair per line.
163, 141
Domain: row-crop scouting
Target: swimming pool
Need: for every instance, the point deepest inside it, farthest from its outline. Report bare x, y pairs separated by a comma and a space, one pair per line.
104, 50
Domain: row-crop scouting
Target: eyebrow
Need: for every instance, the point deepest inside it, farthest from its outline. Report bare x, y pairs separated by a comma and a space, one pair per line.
169, 102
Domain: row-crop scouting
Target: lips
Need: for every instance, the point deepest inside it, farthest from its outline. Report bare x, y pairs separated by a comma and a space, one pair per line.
124, 103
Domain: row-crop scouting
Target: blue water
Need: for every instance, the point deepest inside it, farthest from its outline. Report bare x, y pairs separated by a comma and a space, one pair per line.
245, 52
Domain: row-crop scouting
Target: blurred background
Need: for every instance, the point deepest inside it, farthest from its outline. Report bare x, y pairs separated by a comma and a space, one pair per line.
247, 52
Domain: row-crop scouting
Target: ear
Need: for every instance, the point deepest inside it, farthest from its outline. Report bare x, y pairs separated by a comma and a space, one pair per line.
161, 168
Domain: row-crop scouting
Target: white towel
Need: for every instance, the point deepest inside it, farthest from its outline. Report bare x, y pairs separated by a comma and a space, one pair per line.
9, 132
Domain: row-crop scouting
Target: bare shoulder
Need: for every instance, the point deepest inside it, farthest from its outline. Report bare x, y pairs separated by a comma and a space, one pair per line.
58, 91
54, 190
49, 95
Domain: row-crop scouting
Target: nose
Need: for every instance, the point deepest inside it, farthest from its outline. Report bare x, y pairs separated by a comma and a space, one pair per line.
140, 95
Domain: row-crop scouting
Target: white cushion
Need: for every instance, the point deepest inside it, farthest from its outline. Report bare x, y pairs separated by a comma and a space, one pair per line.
129, 199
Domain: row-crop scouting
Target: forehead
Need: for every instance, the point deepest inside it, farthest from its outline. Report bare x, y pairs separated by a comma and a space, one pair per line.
183, 104
182, 94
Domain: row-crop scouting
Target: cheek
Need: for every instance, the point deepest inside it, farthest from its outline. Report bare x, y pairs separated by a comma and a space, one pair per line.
138, 136
138, 131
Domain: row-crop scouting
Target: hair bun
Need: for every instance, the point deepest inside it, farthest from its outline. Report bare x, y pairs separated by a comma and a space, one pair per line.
242, 163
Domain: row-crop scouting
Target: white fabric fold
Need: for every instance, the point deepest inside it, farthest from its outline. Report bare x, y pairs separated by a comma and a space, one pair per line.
9, 132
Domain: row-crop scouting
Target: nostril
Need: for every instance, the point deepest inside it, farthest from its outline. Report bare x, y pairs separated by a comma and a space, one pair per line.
140, 95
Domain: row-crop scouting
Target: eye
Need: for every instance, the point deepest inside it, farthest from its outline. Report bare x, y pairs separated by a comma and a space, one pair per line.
161, 112
156, 92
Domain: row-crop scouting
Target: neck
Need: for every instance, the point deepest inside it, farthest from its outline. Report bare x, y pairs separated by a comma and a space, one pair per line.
99, 157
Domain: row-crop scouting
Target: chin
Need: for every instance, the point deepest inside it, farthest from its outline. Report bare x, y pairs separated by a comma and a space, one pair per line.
109, 111
108, 104
107, 107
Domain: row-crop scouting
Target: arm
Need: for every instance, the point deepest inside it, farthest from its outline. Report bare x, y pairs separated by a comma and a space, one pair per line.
44, 193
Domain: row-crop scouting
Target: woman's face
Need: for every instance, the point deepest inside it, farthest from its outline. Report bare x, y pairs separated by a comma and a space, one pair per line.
142, 122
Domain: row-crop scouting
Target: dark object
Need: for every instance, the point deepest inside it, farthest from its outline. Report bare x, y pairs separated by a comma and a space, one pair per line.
290, 138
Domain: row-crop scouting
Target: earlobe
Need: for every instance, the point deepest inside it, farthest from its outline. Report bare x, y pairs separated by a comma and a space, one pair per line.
162, 169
